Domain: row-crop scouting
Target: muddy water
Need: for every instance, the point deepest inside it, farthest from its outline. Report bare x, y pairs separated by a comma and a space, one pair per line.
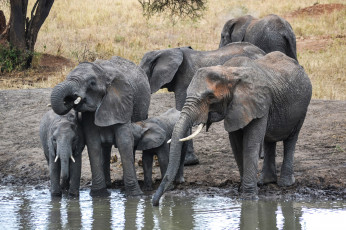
34, 209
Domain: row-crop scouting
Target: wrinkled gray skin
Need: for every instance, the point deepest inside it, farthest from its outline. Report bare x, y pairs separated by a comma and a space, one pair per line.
260, 101
151, 136
62, 136
174, 68
114, 93
270, 33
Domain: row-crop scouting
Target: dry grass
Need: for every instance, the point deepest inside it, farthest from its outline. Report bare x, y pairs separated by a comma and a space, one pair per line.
87, 29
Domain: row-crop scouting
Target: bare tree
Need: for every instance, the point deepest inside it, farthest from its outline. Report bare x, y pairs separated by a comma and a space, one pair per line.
21, 31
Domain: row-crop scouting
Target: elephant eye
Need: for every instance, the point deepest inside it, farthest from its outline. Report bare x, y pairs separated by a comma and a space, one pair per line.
211, 97
93, 83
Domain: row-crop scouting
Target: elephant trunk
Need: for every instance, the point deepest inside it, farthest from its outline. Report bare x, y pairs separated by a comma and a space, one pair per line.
64, 152
62, 97
180, 129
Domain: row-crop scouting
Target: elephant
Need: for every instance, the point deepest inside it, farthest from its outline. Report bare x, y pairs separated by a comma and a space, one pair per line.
110, 94
174, 68
63, 143
261, 101
270, 33
151, 136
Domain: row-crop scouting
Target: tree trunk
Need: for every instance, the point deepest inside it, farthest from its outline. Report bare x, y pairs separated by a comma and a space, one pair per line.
2, 22
17, 23
21, 32
41, 10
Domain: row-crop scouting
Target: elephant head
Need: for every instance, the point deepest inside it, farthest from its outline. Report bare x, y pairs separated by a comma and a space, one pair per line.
216, 93
148, 135
153, 132
95, 87
234, 30
161, 66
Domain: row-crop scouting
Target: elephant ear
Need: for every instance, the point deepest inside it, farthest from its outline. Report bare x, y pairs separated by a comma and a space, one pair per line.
153, 137
117, 104
161, 66
237, 27
251, 99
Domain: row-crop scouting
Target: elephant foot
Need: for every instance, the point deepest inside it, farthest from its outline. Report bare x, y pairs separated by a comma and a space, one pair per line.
249, 196
286, 181
73, 193
108, 184
134, 193
56, 194
103, 192
267, 179
147, 187
180, 180
191, 159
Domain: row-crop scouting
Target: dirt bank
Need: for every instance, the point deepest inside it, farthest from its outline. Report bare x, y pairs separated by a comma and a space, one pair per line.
320, 159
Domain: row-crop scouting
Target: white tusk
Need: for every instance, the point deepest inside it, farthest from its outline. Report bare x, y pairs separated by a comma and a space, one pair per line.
77, 100
169, 141
199, 128
56, 158
49, 105
73, 159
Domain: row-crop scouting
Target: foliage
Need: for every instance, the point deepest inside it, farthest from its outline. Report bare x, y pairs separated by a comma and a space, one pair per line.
176, 8
12, 58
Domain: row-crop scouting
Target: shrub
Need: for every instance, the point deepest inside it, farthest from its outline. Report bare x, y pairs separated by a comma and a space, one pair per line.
12, 58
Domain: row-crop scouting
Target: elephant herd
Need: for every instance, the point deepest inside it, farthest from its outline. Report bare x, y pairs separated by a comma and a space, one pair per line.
253, 82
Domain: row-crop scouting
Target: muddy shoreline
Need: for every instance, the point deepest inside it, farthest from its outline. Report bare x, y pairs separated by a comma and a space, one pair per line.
320, 158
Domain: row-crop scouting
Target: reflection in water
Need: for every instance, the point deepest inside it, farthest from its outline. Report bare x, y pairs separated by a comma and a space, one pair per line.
35, 209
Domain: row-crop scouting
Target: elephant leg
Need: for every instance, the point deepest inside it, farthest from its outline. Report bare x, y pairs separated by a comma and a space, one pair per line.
54, 174
268, 174
179, 178
93, 143
253, 138
125, 143
75, 174
106, 151
163, 157
147, 159
236, 141
287, 172
191, 158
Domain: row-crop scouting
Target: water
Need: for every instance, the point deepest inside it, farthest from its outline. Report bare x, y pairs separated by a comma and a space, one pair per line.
35, 209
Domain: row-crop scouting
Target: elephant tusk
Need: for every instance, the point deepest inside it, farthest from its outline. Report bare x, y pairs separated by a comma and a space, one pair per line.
56, 158
73, 159
76, 102
198, 130
49, 105
169, 141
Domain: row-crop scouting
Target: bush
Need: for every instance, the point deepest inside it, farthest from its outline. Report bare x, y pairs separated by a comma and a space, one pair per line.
12, 58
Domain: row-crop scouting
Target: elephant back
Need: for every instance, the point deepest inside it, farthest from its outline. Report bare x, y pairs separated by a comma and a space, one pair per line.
139, 82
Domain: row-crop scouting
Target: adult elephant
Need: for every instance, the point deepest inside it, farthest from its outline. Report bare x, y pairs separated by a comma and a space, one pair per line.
110, 94
174, 68
271, 33
260, 101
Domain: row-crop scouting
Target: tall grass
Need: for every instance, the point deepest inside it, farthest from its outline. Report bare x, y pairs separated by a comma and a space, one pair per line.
87, 29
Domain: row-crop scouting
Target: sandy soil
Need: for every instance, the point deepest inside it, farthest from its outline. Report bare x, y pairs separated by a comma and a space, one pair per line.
320, 159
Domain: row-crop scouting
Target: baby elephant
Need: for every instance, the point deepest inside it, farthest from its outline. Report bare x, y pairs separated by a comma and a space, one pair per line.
151, 136
63, 143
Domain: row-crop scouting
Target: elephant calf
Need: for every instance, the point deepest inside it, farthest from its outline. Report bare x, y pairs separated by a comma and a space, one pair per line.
151, 136
63, 143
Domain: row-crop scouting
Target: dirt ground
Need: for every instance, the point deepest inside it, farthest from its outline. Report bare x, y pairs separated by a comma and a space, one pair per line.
320, 158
